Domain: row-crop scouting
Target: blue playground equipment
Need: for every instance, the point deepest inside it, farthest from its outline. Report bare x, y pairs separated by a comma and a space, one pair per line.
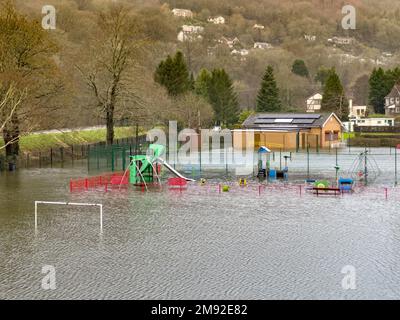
264, 166
346, 185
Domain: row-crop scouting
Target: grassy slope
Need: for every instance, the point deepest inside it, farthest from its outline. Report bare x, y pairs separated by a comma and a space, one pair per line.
53, 140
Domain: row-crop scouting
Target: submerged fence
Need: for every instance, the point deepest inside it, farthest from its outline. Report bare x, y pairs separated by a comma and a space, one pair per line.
59, 156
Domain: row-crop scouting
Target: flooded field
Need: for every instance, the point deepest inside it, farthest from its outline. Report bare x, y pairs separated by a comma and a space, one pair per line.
199, 243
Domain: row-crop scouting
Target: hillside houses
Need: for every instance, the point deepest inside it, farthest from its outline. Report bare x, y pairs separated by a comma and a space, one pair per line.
341, 40
310, 37
216, 20
314, 103
190, 33
242, 53
231, 43
258, 27
392, 101
184, 13
262, 45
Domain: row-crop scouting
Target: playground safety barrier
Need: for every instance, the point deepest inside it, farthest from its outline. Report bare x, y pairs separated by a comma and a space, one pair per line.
103, 181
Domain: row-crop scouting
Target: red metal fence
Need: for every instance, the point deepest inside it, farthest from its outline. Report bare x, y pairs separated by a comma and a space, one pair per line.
102, 181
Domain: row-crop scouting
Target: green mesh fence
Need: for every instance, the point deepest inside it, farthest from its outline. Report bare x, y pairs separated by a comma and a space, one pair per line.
114, 158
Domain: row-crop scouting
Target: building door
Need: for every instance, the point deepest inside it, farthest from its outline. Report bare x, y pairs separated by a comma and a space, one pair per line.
303, 140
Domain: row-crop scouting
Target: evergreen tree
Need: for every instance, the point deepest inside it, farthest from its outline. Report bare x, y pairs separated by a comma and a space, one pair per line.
223, 98
299, 67
334, 98
378, 89
202, 83
268, 95
173, 74
322, 75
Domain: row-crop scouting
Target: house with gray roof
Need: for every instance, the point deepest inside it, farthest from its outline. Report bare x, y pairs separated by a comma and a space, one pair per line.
289, 131
392, 101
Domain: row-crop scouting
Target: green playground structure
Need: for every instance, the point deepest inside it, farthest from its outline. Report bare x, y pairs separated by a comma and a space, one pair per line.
144, 168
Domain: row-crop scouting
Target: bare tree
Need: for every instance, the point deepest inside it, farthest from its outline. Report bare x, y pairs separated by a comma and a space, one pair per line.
111, 63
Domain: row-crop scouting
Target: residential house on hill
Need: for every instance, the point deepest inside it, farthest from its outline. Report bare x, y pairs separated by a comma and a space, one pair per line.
258, 26
229, 42
341, 40
217, 20
314, 103
190, 33
310, 37
262, 45
392, 101
182, 13
357, 111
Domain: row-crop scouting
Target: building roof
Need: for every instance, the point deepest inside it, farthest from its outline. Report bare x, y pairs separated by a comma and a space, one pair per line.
395, 91
287, 121
316, 96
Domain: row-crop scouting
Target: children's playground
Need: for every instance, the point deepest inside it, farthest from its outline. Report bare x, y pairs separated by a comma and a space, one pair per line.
335, 173
165, 224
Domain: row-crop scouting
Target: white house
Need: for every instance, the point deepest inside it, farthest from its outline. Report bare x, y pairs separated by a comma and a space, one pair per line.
314, 103
217, 20
242, 52
262, 45
258, 26
341, 40
369, 122
229, 42
184, 36
192, 29
310, 37
190, 33
357, 111
182, 13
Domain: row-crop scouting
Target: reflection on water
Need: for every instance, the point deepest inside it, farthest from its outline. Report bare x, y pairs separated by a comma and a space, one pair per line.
194, 244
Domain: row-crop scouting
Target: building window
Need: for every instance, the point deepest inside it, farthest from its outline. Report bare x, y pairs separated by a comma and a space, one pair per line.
331, 136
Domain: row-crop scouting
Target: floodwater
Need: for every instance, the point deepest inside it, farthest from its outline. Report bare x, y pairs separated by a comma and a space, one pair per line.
249, 243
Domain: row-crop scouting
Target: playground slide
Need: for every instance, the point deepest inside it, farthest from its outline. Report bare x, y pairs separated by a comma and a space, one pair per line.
173, 170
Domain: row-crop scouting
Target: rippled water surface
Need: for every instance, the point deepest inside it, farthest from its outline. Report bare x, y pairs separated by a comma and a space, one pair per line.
195, 244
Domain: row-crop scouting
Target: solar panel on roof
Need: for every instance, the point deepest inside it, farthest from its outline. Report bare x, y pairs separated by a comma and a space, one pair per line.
303, 121
290, 116
306, 116
264, 121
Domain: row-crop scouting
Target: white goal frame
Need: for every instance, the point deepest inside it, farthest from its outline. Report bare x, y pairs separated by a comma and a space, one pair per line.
69, 204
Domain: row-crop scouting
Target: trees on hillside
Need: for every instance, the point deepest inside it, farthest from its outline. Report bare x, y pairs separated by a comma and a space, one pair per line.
268, 96
322, 75
378, 89
172, 73
333, 98
381, 83
299, 68
202, 83
222, 97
